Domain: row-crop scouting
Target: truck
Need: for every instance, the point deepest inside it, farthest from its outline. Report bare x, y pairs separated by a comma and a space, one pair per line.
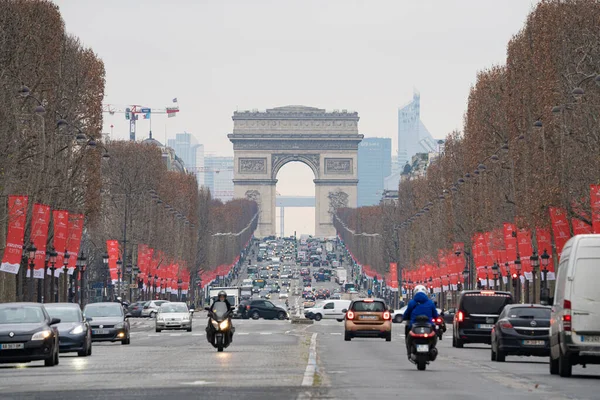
234, 295
341, 276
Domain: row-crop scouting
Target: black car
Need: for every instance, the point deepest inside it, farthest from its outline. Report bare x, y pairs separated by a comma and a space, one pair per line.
75, 334
28, 333
135, 309
256, 309
108, 322
476, 314
523, 330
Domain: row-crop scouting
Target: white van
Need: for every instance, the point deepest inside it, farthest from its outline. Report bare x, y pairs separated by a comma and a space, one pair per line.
330, 309
575, 320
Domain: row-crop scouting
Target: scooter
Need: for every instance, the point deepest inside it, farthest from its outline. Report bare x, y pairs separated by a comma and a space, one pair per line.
422, 341
440, 326
219, 331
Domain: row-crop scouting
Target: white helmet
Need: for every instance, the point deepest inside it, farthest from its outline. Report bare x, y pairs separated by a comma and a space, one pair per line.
419, 289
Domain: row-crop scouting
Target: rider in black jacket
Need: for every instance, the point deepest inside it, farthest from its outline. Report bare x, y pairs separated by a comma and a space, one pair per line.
222, 296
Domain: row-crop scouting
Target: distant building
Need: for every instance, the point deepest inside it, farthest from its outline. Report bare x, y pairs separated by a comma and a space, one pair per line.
171, 160
191, 152
374, 165
413, 136
389, 197
218, 176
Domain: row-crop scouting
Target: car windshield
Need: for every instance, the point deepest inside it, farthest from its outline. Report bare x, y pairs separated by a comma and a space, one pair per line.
529, 313
65, 314
374, 306
484, 304
103, 310
173, 308
21, 315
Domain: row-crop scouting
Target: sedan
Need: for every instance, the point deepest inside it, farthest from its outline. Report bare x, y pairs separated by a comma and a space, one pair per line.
108, 322
28, 333
135, 309
521, 329
75, 334
151, 308
173, 316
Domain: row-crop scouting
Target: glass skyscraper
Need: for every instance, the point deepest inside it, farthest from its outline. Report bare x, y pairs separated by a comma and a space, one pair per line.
374, 165
413, 136
191, 152
218, 176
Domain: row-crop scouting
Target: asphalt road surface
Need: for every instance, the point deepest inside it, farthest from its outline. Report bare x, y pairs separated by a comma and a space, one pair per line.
281, 360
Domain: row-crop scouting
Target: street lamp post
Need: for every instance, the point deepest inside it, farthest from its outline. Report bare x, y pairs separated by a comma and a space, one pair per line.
535, 265
495, 269
66, 266
105, 263
544, 291
52, 260
179, 282
518, 287
466, 273
119, 266
66, 281
155, 284
80, 267
507, 271
31, 250
136, 271
128, 269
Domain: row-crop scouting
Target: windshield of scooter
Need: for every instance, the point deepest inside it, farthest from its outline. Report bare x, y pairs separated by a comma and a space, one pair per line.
220, 310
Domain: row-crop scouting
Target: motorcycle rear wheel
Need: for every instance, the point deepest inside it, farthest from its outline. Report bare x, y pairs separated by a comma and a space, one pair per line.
421, 363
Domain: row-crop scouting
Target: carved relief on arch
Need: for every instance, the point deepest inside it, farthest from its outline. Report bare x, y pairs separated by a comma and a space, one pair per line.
253, 195
279, 160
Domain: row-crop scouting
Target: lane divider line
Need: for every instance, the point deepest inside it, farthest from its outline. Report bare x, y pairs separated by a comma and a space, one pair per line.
311, 366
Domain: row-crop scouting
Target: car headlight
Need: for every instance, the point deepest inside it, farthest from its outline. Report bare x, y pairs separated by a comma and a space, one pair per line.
41, 335
77, 330
224, 324
119, 325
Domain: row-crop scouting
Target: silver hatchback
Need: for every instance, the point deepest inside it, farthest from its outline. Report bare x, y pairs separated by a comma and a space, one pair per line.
173, 316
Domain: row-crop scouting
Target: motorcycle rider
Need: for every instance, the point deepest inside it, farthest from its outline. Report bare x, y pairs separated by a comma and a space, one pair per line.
222, 296
419, 305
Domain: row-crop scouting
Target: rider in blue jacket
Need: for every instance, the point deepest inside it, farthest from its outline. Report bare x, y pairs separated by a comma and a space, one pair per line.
419, 305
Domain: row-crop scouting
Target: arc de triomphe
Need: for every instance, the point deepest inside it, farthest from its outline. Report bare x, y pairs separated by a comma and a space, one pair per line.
327, 142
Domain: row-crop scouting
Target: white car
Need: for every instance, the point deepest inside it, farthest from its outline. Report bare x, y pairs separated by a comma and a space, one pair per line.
283, 295
173, 316
151, 308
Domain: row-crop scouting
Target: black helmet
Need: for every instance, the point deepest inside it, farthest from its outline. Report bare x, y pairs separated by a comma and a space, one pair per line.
222, 294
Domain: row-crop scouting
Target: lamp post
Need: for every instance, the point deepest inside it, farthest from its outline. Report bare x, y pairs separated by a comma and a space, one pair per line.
80, 267
507, 271
66, 280
495, 269
535, 265
179, 282
465, 275
544, 292
31, 250
52, 260
66, 266
105, 263
119, 266
136, 272
518, 287
155, 282
129, 269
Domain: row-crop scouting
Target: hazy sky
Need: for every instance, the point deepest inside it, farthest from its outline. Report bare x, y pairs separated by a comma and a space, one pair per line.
219, 56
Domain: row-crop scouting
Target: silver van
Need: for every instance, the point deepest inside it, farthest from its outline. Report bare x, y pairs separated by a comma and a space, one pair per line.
575, 318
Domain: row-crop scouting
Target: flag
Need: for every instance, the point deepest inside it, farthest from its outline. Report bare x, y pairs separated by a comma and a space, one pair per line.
175, 100
39, 235
17, 216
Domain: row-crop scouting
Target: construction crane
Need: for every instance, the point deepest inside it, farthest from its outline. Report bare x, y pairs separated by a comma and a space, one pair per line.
132, 113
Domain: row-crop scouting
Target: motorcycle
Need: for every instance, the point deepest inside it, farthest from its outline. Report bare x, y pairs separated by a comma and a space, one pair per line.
440, 326
422, 341
219, 331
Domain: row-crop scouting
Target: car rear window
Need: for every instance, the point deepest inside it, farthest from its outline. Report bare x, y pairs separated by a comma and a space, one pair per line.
475, 303
374, 306
529, 313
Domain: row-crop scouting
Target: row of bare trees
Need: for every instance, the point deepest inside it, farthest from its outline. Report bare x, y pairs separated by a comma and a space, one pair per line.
51, 91
530, 140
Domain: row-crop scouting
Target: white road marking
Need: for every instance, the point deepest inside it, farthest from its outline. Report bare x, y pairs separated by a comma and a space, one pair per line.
197, 383
266, 333
311, 366
336, 333
175, 334
243, 333
154, 334
197, 334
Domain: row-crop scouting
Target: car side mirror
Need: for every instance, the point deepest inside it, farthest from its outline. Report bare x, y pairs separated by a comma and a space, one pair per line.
127, 316
145, 307
88, 319
55, 321
207, 308
345, 310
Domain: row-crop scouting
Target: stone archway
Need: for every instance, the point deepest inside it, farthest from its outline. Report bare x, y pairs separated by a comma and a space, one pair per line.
263, 142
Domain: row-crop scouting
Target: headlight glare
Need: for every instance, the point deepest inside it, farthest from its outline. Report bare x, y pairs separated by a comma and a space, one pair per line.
41, 335
77, 330
224, 324
215, 323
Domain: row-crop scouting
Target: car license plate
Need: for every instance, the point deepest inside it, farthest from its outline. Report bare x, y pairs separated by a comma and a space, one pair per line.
593, 339
12, 346
485, 326
422, 348
100, 331
368, 317
534, 342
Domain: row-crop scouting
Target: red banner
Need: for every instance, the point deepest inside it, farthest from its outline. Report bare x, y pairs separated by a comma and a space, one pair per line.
61, 231
510, 242
74, 239
393, 275
580, 227
595, 200
39, 236
17, 218
544, 242
560, 227
112, 247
